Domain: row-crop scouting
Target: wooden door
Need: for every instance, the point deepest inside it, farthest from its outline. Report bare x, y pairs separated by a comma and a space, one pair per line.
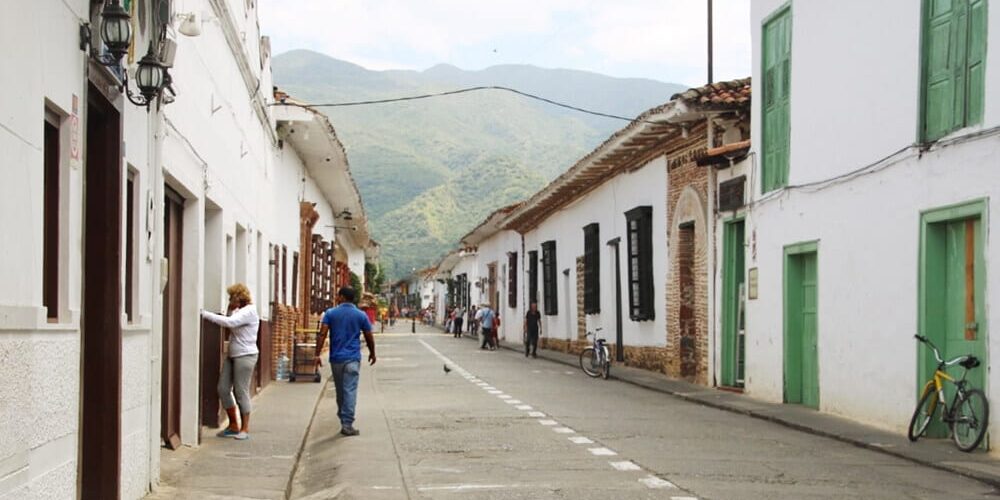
801, 335
688, 316
733, 276
953, 305
170, 406
101, 336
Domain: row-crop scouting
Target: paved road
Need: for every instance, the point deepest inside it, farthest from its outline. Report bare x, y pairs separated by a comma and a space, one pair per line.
500, 426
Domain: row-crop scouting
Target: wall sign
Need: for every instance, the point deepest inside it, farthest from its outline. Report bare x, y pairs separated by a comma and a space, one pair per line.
752, 283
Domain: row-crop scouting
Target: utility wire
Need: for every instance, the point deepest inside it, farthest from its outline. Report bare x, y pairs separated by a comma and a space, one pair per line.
463, 91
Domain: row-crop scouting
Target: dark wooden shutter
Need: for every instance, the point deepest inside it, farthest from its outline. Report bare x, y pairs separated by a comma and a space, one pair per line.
591, 269
512, 280
532, 277
549, 272
639, 222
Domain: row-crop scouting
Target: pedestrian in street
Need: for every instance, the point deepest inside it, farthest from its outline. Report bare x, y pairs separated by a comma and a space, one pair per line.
243, 322
456, 322
532, 330
473, 327
485, 317
344, 324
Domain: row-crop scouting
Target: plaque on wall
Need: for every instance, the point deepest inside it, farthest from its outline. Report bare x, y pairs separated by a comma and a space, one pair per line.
752, 283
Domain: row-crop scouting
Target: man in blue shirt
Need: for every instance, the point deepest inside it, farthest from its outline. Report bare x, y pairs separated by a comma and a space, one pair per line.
344, 324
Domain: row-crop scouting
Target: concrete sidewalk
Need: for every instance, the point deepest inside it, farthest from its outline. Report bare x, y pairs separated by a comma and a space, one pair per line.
259, 468
937, 453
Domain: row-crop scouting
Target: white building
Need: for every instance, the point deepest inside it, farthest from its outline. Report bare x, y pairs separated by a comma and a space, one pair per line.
873, 201
128, 223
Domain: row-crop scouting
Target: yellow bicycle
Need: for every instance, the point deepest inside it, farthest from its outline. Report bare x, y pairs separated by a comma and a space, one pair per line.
969, 413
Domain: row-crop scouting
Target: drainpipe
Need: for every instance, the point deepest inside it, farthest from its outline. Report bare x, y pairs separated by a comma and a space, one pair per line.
619, 334
711, 250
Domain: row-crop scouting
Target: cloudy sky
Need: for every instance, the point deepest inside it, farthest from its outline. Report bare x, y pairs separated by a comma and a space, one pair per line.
659, 39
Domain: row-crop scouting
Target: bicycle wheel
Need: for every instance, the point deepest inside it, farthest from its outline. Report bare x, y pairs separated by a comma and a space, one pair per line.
606, 369
922, 415
972, 414
588, 362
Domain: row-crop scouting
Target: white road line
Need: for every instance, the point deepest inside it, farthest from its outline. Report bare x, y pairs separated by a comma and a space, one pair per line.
625, 465
581, 440
523, 407
514, 401
683, 498
510, 401
564, 430
656, 483
536, 414
466, 487
504, 396
495, 391
601, 452
548, 422
570, 373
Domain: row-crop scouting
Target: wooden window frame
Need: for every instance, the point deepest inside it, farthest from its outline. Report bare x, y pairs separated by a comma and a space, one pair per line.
550, 275
639, 228
592, 268
295, 279
512, 280
284, 274
131, 231
51, 218
774, 174
968, 80
532, 277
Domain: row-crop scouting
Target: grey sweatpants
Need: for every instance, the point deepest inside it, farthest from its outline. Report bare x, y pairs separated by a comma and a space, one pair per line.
235, 379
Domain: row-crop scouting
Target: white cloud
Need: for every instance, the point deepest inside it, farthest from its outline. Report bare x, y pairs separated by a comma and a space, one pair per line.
662, 39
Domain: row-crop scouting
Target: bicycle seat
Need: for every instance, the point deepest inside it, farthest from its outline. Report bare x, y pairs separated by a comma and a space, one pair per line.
970, 362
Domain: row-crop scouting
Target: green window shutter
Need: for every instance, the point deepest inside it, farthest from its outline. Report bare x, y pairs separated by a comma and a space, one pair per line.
976, 62
777, 103
954, 50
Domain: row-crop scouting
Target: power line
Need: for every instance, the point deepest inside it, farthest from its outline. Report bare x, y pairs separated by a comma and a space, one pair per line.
463, 91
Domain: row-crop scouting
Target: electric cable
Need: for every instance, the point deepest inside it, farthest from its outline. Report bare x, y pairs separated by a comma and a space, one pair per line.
283, 102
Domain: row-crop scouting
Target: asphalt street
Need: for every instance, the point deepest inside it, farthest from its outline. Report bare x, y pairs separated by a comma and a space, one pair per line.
500, 426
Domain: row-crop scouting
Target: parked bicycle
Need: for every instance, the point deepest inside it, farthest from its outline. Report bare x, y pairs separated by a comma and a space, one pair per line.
595, 360
969, 413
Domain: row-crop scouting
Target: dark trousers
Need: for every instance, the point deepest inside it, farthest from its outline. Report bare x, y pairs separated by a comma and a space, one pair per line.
531, 344
487, 338
456, 325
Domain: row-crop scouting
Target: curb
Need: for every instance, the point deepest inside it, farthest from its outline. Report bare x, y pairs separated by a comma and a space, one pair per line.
305, 437
988, 479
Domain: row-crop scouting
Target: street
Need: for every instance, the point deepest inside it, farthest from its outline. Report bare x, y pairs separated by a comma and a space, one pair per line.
503, 426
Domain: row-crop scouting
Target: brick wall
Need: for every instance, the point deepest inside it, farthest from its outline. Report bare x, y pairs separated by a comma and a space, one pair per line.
687, 289
581, 318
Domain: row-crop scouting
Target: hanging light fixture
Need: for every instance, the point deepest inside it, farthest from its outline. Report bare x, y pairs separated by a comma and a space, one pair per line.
150, 76
116, 32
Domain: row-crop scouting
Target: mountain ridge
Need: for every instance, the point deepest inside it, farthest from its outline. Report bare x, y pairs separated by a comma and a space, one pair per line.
430, 169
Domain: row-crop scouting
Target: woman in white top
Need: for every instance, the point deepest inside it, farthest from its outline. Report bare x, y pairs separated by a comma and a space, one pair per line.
237, 370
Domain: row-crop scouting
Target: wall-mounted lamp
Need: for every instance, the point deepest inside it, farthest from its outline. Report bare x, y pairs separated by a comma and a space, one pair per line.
116, 33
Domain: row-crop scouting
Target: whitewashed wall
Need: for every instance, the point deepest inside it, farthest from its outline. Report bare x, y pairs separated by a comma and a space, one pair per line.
868, 227
606, 205
494, 250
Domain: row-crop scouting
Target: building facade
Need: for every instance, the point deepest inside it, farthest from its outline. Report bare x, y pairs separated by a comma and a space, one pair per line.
879, 227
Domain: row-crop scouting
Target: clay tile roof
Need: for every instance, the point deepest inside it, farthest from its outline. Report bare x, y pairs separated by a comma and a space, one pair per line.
718, 94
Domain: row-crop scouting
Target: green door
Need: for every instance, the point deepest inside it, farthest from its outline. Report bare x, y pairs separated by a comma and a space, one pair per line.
953, 305
733, 275
801, 335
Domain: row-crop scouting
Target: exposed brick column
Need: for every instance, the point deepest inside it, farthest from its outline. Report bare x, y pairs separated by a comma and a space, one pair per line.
308, 216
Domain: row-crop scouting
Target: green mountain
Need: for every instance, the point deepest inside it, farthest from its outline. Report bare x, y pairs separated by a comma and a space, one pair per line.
429, 170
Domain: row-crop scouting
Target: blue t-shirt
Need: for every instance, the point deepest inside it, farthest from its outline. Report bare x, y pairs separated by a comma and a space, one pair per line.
346, 323
487, 319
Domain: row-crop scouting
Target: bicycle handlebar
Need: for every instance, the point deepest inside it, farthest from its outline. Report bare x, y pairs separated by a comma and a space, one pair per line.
937, 353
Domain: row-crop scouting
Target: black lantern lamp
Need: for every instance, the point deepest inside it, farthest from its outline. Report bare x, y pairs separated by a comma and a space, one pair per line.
116, 32
150, 76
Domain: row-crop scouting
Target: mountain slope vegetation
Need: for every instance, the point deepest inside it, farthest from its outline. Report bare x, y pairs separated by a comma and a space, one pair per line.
429, 170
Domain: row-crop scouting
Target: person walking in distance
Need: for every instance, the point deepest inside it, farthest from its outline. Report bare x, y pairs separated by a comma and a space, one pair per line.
532, 330
344, 324
243, 322
484, 316
456, 322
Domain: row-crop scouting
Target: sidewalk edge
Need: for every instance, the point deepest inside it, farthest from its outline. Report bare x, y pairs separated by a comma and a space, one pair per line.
305, 436
986, 478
